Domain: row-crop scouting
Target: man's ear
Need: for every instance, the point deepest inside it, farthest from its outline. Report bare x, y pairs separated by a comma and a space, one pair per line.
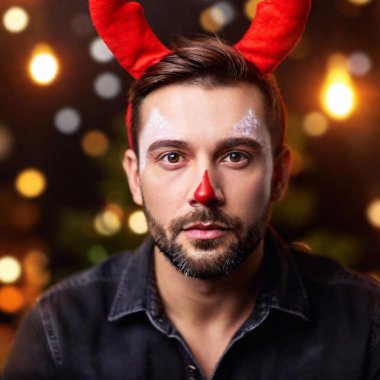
281, 173
131, 167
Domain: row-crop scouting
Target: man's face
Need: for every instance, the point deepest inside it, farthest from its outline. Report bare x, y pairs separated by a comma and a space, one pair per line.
186, 130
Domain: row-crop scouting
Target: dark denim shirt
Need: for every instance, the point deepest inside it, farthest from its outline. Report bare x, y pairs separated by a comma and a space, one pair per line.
312, 320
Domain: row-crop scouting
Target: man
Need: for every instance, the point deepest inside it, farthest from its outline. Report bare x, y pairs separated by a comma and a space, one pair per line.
214, 293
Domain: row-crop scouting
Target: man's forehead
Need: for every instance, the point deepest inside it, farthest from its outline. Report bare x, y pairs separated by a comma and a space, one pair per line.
157, 127
189, 102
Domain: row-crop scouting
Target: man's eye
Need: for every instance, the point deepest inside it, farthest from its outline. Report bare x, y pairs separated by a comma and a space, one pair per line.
236, 157
172, 158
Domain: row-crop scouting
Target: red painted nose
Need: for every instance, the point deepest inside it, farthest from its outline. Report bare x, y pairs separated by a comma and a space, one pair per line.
204, 193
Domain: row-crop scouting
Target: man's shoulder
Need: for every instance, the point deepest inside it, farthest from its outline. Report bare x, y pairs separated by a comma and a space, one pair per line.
90, 284
324, 273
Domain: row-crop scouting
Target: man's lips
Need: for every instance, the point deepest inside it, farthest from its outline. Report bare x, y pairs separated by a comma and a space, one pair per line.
205, 231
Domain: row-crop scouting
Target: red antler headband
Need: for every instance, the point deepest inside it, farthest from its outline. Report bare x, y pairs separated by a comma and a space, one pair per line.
274, 32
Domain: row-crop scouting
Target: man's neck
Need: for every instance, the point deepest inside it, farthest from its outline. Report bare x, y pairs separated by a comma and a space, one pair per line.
220, 301
208, 310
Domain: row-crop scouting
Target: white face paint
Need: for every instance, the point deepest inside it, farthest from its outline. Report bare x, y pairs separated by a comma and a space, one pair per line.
249, 126
157, 127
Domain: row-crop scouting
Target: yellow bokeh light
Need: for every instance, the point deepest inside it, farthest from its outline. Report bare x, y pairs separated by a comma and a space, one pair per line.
208, 23
43, 66
315, 124
30, 183
217, 16
338, 95
10, 269
107, 223
95, 143
250, 8
15, 19
373, 213
137, 223
340, 100
11, 299
359, 2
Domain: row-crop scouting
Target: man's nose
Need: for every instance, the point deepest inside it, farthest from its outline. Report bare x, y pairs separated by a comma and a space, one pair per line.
205, 193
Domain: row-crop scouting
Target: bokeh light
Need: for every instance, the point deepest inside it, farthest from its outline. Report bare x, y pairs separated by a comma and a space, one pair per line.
95, 143
340, 100
96, 254
217, 16
315, 124
30, 183
250, 8
373, 213
11, 299
137, 222
107, 85
67, 120
107, 223
35, 268
359, 2
338, 95
15, 19
6, 142
43, 66
359, 63
99, 51
10, 269
298, 163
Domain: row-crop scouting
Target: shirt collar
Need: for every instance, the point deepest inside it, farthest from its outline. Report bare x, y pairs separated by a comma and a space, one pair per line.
132, 291
282, 286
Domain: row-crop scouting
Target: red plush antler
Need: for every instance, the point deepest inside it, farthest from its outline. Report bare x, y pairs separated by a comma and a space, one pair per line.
123, 28
274, 32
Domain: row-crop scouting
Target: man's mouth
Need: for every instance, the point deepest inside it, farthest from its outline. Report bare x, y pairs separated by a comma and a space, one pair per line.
205, 230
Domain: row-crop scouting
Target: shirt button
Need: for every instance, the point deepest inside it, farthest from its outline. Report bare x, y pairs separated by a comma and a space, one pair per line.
192, 371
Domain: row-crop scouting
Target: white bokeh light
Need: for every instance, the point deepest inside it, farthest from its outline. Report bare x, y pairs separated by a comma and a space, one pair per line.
10, 269
67, 120
107, 85
137, 222
222, 13
359, 63
43, 65
15, 19
99, 51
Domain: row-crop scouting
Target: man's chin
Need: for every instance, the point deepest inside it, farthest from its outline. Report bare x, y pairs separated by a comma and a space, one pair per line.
206, 258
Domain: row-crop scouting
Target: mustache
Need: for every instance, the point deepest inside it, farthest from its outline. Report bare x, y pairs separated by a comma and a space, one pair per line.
204, 216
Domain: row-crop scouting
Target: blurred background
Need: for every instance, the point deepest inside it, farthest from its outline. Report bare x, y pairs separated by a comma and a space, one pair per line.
64, 201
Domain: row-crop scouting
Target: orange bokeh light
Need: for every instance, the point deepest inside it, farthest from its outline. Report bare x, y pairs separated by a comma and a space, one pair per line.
11, 299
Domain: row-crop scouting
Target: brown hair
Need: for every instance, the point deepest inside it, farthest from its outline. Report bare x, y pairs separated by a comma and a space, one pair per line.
208, 62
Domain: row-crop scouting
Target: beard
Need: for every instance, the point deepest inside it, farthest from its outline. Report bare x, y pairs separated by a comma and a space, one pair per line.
209, 258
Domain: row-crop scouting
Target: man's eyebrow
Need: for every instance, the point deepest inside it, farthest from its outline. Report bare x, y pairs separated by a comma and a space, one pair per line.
168, 144
235, 141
